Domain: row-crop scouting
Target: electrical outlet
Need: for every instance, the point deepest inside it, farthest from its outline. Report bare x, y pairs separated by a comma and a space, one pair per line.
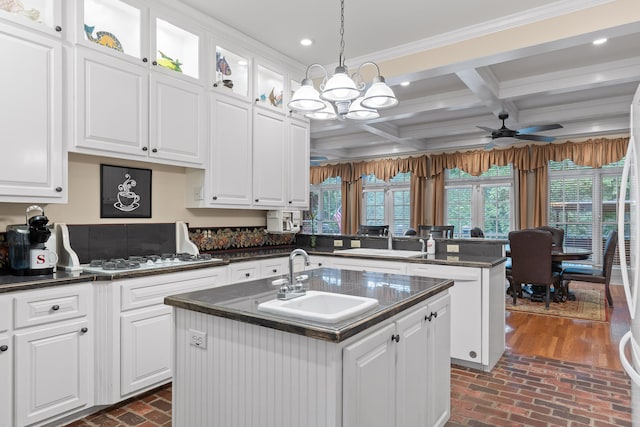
454, 249
337, 243
198, 338
355, 243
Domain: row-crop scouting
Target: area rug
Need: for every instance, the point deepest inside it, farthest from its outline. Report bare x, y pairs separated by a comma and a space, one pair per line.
589, 304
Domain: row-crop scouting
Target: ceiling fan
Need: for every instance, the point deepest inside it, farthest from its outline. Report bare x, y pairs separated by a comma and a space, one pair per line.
524, 133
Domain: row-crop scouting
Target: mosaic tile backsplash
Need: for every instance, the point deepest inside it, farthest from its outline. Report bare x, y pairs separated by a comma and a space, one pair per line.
222, 238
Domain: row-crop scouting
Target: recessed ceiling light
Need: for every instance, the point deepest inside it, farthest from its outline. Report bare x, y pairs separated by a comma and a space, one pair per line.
306, 42
600, 41
405, 83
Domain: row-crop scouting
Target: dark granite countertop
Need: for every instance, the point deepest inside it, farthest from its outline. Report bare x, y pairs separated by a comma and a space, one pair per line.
395, 294
461, 260
20, 283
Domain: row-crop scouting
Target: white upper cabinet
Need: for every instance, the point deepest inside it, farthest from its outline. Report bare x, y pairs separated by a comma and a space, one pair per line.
298, 167
137, 88
34, 168
269, 86
231, 71
269, 158
40, 15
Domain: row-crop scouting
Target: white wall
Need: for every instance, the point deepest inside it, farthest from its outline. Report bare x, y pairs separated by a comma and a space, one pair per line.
168, 194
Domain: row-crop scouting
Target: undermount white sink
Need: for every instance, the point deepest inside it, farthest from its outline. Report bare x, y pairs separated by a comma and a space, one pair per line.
317, 306
397, 253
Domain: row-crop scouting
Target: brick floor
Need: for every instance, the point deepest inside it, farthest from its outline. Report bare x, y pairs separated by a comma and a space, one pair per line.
520, 391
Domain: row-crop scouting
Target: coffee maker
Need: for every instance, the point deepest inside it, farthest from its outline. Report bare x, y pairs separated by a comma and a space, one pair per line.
28, 253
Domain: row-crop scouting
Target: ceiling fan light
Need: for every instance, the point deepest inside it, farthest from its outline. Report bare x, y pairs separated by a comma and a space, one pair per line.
358, 112
379, 96
306, 98
340, 87
326, 113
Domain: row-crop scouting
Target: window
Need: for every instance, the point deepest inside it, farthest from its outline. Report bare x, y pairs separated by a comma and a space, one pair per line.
325, 215
387, 202
583, 202
486, 201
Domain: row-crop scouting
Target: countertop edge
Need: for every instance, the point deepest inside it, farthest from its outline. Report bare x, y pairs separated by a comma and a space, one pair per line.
325, 334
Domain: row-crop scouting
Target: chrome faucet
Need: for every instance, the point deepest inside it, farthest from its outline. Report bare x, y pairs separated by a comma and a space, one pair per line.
423, 248
294, 288
389, 240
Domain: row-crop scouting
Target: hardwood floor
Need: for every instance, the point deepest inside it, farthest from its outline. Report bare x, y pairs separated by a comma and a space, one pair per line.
580, 341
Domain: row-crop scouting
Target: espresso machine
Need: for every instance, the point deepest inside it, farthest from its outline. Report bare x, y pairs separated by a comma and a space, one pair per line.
28, 253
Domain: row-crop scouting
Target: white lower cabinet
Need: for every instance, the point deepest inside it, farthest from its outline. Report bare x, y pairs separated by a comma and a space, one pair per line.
6, 390
46, 354
146, 348
52, 371
477, 311
135, 345
399, 375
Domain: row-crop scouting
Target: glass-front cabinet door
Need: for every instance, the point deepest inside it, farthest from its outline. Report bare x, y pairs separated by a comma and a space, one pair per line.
269, 87
116, 25
175, 49
232, 72
45, 15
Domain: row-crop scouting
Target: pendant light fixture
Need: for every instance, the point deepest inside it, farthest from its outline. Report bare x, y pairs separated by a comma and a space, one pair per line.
342, 95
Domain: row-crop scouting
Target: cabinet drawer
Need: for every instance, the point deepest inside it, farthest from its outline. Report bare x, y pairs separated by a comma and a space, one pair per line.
51, 305
5, 314
244, 271
147, 291
275, 267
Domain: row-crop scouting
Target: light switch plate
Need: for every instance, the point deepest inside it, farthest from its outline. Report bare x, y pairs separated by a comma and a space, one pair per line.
355, 243
337, 243
454, 249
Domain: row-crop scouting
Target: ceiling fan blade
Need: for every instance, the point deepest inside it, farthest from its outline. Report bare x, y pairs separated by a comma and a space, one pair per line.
534, 129
485, 128
535, 137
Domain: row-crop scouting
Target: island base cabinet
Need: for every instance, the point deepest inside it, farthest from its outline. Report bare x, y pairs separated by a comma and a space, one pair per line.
400, 375
51, 374
247, 375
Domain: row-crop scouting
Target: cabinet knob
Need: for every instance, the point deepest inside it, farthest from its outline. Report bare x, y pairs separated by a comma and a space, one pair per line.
58, 28
257, 100
247, 274
215, 85
256, 200
145, 148
4, 347
395, 338
275, 270
155, 150
144, 60
290, 202
319, 264
84, 330
155, 63
58, 189
55, 307
215, 197
431, 316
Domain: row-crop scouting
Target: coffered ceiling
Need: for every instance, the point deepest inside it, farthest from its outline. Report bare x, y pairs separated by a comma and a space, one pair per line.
482, 58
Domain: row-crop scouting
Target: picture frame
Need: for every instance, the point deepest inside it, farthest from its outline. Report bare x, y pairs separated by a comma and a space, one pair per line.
125, 192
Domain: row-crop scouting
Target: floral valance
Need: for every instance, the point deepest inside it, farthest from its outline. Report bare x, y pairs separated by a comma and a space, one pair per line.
479, 161
592, 152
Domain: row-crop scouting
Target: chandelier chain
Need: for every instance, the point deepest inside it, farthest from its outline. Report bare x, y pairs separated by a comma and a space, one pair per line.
341, 59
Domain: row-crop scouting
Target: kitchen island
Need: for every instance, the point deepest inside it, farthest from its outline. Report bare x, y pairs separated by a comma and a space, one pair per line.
236, 365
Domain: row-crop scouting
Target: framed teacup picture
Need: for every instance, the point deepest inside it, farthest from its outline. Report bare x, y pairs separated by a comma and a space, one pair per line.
125, 192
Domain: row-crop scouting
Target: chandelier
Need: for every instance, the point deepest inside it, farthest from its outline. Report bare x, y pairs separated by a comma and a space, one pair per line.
342, 95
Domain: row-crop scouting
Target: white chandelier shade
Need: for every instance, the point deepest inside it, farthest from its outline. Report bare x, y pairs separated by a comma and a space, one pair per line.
346, 92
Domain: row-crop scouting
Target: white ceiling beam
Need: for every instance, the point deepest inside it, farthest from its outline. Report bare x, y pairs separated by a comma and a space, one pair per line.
579, 78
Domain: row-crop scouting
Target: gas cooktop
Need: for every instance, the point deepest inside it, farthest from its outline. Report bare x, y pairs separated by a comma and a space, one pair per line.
147, 262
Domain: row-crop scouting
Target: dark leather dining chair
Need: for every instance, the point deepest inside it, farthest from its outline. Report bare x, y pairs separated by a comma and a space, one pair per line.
531, 262
557, 241
595, 275
441, 231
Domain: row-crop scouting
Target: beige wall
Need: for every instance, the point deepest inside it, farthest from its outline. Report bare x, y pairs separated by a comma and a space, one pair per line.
168, 194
